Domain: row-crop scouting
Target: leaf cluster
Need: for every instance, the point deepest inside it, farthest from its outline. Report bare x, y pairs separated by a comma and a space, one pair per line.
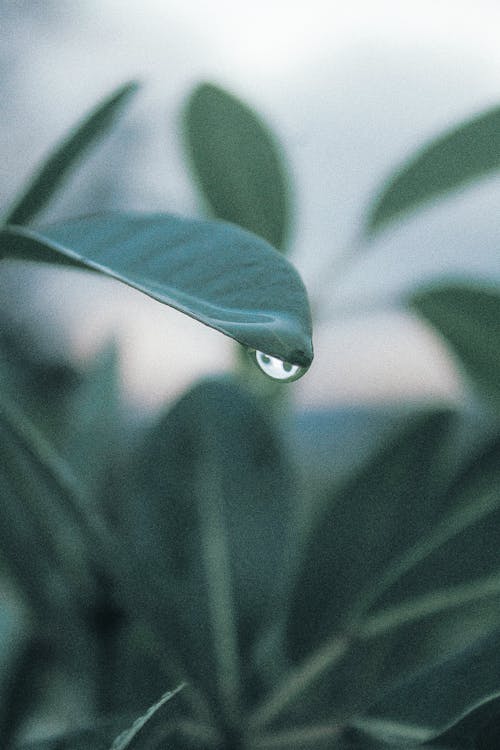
188, 557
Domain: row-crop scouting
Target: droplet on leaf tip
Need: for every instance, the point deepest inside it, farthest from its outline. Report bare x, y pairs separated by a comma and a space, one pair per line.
278, 369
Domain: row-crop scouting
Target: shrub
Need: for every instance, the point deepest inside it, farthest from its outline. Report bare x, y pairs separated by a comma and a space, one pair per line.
366, 619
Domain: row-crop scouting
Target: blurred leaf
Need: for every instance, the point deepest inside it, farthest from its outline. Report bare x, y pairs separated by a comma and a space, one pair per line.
38, 541
446, 588
52, 513
376, 515
460, 155
238, 163
79, 411
18, 696
130, 737
371, 518
478, 729
53, 172
98, 737
90, 436
460, 549
217, 273
210, 502
439, 698
468, 317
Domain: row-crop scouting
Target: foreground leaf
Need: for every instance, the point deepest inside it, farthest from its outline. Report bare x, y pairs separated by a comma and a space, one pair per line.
238, 163
217, 273
460, 155
53, 172
468, 317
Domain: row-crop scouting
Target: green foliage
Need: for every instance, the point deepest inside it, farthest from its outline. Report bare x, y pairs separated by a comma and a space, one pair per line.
468, 317
238, 163
177, 559
465, 153
54, 170
166, 258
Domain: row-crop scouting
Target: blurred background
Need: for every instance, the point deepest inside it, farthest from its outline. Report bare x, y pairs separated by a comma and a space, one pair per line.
350, 90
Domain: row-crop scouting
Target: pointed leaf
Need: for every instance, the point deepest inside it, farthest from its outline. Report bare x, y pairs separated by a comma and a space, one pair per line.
460, 549
376, 514
478, 729
468, 317
453, 159
238, 163
33, 518
440, 697
55, 169
211, 496
217, 273
367, 523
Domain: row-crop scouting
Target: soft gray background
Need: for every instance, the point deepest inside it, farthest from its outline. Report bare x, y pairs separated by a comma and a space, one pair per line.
350, 89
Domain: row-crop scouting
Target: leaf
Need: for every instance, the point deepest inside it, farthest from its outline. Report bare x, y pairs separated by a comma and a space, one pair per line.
38, 540
238, 163
18, 698
440, 697
459, 550
453, 159
46, 509
91, 433
211, 494
478, 729
55, 169
375, 515
128, 738
217, 273
97, 737
468, 318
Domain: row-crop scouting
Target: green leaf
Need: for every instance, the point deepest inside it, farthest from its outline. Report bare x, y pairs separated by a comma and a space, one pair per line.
459, 549
54, 170
217, 273
38, 539
468, 318
478, 729
446, 588
90, 435
211, 495
453, 159
367, 522
238, 163
376, 515
130, 737
438, 698
46, 509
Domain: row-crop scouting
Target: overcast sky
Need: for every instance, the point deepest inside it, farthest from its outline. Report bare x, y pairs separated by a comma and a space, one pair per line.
349, 88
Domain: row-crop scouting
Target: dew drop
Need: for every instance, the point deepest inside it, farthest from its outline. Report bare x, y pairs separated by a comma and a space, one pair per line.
277, 369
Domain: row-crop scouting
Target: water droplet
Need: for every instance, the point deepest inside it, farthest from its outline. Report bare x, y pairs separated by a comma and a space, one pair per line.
277, 369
